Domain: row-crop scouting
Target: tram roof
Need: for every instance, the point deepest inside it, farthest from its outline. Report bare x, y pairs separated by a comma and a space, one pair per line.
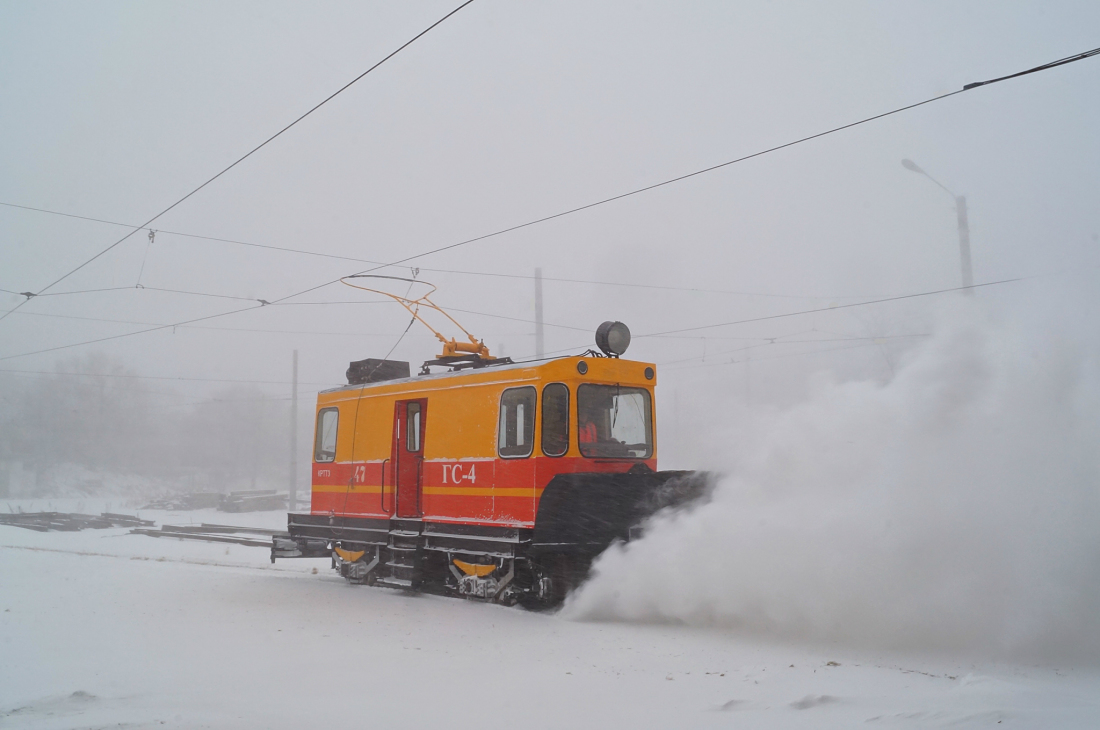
489, 371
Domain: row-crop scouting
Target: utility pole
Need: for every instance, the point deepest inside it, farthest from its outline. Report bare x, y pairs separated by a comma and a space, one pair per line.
964, 242
964, 226
292, 492
540, 350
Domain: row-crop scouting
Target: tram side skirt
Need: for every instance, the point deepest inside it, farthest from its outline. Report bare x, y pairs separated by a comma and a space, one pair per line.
313, 536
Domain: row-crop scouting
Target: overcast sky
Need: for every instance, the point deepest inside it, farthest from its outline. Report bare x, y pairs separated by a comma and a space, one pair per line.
508, 112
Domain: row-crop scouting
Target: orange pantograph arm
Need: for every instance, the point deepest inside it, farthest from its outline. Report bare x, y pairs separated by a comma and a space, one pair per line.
450, 347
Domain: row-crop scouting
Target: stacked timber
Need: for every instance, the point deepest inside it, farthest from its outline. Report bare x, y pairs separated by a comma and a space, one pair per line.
253, 501
70, 521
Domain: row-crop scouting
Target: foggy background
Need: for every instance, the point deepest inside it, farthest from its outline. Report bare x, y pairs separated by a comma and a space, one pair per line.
502, 114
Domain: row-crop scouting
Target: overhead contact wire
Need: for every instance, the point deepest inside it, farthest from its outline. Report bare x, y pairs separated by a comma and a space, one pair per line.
255, 149
1060, 62
680, 178
128, 334
837, 306
320, 254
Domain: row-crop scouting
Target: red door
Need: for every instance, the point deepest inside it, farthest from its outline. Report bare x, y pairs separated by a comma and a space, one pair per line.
407, 455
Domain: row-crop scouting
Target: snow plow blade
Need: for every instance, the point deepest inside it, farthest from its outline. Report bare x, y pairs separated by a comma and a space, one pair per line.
582, 514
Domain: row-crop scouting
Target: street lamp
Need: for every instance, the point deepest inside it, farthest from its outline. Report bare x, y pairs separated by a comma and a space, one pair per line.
964, 226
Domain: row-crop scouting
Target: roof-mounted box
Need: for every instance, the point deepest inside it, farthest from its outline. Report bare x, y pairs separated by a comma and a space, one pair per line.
372, 370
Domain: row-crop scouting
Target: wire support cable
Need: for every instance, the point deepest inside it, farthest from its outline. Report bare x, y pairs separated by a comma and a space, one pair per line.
1060, 62
157, 377
779, 341
769, 357
146, 288
248, 154
1043, 67
129, 334
839, 306
462, 272
214, 329
760, 153
650, 334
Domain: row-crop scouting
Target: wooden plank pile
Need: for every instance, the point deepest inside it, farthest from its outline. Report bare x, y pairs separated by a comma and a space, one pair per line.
256, 500
188, 501
70, 521
253, 501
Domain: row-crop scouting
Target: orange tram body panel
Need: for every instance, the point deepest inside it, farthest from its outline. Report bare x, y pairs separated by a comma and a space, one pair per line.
459, 470
501, 483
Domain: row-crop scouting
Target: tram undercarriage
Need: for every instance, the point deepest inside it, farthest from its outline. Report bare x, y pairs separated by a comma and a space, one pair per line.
579, 516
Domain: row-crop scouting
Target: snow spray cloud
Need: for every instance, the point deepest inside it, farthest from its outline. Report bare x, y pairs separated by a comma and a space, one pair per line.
955, 507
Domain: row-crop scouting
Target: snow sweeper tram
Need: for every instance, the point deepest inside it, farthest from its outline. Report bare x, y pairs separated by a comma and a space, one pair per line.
493, 479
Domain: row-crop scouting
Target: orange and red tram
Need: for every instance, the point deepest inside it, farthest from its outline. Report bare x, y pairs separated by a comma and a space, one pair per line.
495, 480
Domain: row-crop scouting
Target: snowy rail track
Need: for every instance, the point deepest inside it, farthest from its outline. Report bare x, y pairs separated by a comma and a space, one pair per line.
191, 644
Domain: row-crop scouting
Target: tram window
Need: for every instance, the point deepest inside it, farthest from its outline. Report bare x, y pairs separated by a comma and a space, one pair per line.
614, 422
324, 449
412, 419
555, 419
516, 428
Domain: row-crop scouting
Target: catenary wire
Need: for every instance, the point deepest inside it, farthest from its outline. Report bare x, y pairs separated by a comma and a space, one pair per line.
1043, 67
651, 334
667, 182
128, 334
839, 306
719, 166
351, 334
215, 329
608, 200
770, 357
34, 375
249, 153
876, 340
304, 252
146, 288
32, 295
159, 377
278, 303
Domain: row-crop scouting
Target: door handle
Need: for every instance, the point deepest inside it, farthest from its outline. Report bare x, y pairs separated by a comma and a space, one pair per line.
382, 493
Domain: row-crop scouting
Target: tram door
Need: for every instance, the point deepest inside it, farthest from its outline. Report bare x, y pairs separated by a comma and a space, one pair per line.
407, 455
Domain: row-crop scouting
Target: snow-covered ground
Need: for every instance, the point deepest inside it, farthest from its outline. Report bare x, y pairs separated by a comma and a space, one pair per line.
105, 629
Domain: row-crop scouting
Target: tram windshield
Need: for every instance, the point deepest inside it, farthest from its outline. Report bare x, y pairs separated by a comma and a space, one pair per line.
614, 422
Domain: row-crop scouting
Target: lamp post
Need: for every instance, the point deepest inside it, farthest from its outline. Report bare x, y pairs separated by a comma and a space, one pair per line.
964, 226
